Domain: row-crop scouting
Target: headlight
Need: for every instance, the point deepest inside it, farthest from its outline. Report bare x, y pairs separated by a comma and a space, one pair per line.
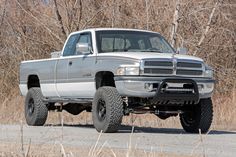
128, 71
208, 72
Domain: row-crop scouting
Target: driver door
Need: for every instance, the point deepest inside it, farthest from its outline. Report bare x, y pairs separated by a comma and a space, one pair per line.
81, 82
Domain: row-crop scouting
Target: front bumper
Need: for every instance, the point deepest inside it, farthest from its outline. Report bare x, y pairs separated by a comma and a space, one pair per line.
145, 87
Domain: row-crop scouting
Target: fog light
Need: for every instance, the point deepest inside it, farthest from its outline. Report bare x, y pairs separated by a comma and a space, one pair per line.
148, 86
200, 87
210, 85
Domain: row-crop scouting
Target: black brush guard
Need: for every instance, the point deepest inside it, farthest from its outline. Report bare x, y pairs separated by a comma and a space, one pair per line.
187, 95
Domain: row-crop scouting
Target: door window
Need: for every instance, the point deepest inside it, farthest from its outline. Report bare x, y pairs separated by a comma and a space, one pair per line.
85, 38
70, 48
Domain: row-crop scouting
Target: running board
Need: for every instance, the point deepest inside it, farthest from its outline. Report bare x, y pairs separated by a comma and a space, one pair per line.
68, 100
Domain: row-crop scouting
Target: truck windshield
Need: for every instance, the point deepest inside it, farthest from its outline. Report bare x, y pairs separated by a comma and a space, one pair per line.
131, 41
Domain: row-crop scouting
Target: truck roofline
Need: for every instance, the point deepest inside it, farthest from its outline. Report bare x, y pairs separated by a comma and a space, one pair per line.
119, 29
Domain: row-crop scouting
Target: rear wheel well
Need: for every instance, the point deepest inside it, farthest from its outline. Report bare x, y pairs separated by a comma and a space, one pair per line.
104, 78
33, 81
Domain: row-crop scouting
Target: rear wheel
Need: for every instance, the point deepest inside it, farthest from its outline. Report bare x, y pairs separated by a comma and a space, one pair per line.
36, 111
107, 109
199, 117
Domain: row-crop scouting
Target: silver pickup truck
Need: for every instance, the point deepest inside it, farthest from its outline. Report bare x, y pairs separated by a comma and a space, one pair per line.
115, 72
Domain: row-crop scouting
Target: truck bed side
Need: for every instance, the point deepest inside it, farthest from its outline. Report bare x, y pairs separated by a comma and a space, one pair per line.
39, 73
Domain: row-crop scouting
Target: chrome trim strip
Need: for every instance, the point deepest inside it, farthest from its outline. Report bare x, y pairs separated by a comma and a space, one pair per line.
159, 67
143, 78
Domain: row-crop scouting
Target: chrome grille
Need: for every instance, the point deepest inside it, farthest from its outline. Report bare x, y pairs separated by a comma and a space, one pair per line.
158, 71
158, 63
173, 67
189, 65
188, 72
159, 67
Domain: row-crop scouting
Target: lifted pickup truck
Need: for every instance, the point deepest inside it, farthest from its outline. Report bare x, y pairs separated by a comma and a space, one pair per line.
114, 72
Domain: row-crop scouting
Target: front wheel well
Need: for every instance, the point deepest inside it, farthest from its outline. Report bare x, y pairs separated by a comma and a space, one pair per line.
104, 78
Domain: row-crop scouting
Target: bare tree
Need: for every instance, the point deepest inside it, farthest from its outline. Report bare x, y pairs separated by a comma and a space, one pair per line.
32, 29
175, 24
204, 33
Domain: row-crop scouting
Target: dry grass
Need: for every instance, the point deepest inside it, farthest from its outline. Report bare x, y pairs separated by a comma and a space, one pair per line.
224, 111
18, 149
14, 150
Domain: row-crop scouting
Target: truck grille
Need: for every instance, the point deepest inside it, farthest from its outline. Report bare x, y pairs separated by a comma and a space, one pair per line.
157, 71
189, 65
158, 63
173, 67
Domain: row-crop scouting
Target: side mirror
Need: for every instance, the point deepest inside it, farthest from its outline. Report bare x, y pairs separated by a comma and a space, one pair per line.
83, 48
182, 50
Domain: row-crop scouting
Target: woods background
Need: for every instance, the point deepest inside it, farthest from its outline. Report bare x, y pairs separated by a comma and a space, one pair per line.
32, 29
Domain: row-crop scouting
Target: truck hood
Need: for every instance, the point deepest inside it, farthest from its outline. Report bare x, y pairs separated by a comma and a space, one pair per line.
148, 55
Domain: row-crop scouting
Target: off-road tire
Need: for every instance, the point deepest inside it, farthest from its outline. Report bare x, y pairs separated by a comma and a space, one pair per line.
199, 118
36, 111
110, 98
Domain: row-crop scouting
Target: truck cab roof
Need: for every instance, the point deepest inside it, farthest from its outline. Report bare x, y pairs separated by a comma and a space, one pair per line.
112, 29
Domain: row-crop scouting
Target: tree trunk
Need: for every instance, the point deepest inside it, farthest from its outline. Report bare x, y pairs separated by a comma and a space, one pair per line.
175, 24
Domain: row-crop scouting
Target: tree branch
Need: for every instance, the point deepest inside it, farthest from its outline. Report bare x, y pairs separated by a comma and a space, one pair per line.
59, 18
175, 24
203, 36
36, 19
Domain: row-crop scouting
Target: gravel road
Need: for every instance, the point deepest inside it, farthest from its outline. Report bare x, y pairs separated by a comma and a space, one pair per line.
216, 143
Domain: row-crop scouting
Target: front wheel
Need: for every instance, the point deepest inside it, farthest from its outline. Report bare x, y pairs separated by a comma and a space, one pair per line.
107, 109
198, 117
36, 111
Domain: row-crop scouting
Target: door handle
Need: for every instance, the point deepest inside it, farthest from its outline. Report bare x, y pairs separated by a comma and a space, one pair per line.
70, 63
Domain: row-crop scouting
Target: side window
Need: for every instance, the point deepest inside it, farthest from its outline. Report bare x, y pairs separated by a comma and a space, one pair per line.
84, 38
69, 49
